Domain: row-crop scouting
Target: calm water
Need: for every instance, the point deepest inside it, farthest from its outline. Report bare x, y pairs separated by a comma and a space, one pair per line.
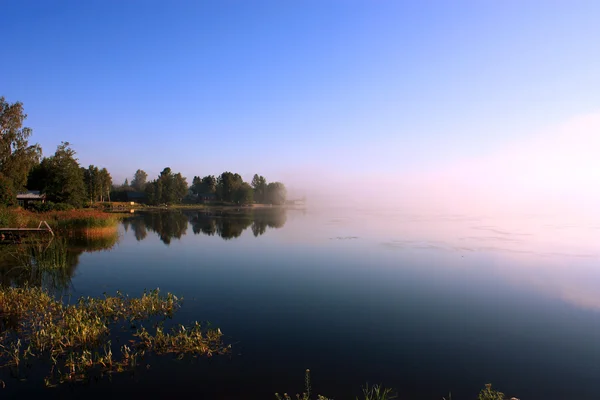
425, 304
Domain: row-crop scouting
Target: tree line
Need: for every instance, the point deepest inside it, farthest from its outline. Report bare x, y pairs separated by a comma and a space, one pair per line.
61, 178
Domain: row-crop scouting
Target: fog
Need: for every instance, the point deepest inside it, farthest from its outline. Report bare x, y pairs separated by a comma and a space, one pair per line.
554, 172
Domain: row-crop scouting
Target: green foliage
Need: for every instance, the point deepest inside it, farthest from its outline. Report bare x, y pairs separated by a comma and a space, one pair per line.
490, 394
51, 206
244, 194
276, 193
61, 177
97, 183
76, 338
17, 157
13, 218
7, 194
227, 185
209, 184
169, 188
139, 180
206, 185
259, 184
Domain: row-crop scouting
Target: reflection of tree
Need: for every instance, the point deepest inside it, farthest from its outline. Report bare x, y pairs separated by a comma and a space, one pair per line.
259, 228
139, 228
126, 223
204, 224
233, 226
226, 224
168, 225
229, 225
268, 217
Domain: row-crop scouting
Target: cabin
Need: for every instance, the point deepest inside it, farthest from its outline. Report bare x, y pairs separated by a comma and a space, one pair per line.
206, 197
136, 197
31, 196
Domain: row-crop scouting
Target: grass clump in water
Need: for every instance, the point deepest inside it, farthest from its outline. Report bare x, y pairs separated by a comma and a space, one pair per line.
75, 338
378, 392
488, 393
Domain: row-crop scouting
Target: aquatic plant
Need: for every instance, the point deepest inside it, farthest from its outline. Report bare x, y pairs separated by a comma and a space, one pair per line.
305, 395
488, 393
45, 263
378, 392
75, 337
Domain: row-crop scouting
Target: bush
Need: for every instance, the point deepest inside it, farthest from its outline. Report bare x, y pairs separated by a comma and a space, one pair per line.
7, 195
50, 206
13, 218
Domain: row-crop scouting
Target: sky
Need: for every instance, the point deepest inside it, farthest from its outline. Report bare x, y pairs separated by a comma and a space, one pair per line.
450, 102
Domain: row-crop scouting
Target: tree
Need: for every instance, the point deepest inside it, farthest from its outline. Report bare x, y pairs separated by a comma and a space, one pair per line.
17, 157
205, 185
151, 194
91, 179
169, 188
259, 183
244, 194
139, 180
180, 187
105, 183
64, 179
209, 184
166, 186
276, 193
97, 183
196, 185
7, 195
227, 184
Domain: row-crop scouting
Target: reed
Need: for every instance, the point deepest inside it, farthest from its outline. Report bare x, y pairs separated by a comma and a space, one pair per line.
58, 220
378, 392
75, 338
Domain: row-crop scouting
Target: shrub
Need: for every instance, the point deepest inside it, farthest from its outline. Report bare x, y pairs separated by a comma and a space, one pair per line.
50, 206
7, 194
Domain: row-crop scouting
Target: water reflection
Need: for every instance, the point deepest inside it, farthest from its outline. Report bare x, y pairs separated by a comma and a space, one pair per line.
168, 225
225, 224
49, 263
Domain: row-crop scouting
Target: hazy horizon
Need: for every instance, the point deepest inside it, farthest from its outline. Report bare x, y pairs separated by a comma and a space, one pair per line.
431, 106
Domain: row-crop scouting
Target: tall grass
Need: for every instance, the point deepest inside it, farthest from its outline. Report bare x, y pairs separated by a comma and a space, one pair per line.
58, 220
42, 262
79, 219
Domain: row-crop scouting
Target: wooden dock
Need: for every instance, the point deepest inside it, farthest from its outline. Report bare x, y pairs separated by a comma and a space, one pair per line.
15, 235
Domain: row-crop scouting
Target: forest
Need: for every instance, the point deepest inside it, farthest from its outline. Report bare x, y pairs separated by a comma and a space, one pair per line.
67, 184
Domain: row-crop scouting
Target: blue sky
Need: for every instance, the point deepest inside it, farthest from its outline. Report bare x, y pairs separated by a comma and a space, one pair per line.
350, 88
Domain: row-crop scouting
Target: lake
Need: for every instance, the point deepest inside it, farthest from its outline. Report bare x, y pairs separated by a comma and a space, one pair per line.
425, 304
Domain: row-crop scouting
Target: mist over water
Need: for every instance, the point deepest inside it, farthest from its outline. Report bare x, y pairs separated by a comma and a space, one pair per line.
552, 173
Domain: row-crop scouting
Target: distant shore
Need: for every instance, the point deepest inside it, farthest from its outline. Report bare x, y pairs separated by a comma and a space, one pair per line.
121, 207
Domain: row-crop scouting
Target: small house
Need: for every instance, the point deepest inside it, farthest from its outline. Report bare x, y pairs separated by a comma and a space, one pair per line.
206, 197
136, 197
31, 196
